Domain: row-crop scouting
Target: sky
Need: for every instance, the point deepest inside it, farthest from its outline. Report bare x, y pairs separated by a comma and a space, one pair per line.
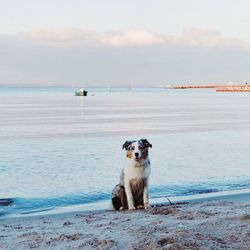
124, 43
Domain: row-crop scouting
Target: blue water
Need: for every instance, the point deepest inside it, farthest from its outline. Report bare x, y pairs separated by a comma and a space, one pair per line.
58, 150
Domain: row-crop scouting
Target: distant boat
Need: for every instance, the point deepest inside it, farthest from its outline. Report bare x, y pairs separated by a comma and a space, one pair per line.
81, 92
168, 86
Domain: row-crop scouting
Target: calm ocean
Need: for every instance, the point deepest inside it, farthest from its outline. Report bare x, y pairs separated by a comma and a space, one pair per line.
58, 150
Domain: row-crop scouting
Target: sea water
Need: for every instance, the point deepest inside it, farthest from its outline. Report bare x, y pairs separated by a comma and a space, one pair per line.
58, 150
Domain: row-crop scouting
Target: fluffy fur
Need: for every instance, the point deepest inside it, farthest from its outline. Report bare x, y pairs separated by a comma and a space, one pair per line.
132, 191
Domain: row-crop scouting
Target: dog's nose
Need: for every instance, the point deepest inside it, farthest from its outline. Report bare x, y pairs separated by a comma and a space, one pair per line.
136, 154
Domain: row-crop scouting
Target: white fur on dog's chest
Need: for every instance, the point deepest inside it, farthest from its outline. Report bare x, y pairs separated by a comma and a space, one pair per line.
133, 170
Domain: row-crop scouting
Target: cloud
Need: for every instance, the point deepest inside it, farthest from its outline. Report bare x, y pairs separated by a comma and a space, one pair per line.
209, 38
61, 38
71, 37
132, 38
71, 56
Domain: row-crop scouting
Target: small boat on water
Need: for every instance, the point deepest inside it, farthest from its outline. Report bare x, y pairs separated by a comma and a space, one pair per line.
81, 92
168, 86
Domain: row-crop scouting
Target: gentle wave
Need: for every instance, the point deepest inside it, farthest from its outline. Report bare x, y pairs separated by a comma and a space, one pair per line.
24, 206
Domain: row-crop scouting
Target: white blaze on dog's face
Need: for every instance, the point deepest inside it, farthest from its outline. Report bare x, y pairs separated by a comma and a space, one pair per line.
137, 150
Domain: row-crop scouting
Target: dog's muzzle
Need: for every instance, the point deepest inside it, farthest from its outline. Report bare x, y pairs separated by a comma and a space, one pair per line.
137, 156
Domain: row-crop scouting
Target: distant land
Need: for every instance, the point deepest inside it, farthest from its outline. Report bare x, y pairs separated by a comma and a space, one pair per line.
217, 86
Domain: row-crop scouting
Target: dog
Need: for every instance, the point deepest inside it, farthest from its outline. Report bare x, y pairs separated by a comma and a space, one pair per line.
132, 191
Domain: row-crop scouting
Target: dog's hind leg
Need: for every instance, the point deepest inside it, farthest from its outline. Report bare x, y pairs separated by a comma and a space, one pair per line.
119, 200
116, 202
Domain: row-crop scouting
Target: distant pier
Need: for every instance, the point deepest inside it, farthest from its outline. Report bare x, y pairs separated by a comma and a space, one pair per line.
195, 86
234, 89
218, 88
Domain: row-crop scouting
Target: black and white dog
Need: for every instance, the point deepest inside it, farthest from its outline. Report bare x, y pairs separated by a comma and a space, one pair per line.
132, 191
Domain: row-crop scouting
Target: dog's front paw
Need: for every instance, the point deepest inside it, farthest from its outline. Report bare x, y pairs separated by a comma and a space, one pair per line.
146, 205
131, 208
140, 207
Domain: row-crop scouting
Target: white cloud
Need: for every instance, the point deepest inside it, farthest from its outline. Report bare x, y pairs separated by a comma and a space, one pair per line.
72, 56
72, 37
208, 38
64, 37
132, 38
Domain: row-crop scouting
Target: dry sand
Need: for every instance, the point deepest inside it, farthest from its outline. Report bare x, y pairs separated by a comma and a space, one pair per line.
215, 224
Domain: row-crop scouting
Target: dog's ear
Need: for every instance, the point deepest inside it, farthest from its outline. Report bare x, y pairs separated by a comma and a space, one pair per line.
126, 144
146, 143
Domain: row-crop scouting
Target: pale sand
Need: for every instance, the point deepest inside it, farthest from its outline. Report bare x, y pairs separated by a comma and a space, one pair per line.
215, 224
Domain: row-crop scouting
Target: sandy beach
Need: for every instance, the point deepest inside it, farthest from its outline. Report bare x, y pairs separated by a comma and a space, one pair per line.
221, 223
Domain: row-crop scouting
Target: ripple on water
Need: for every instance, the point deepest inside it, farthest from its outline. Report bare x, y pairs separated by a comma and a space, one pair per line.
4, 168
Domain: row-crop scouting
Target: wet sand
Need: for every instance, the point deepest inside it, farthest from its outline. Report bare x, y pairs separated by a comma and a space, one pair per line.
210, 224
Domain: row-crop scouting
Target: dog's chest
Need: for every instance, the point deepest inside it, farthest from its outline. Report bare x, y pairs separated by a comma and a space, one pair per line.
132, 172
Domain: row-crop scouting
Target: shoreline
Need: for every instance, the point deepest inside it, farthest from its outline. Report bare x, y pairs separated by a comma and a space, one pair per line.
220, 222
105, 205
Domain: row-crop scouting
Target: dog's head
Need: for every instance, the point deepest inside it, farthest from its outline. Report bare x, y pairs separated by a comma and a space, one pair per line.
137, 150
